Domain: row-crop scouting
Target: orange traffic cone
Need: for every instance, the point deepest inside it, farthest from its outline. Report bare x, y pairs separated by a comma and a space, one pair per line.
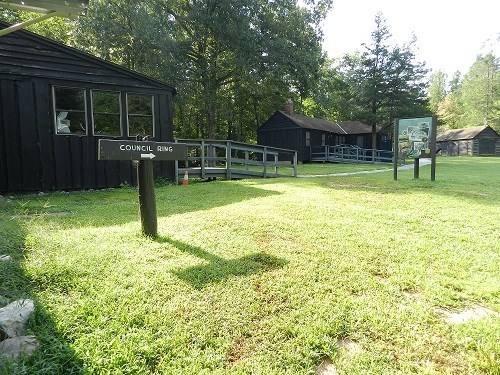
185, 181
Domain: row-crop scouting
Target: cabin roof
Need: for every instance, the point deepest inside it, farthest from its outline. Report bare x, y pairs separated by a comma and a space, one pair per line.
339, 127
461, 134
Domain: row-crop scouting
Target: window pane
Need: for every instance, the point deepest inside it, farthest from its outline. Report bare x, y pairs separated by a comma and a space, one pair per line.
106, 112
70, 111
140, 125
140, 104
140, 115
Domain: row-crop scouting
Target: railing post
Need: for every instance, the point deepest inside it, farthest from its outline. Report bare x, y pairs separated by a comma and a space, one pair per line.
176, 169
228, 160
295, 164
202, 159
247, 159
264, 161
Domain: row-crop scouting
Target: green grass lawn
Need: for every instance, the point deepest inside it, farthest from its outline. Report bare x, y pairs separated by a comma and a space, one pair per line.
329, 168
264, 276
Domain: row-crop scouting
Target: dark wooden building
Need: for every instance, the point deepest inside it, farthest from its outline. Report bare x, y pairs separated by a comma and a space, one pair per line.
478, 140
56, 102
286, 129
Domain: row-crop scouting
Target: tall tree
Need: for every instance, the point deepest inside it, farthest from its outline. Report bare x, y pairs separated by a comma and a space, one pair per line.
455, 81
437, 89
480, 92
329, 98
450, 112
220, 54
385, 80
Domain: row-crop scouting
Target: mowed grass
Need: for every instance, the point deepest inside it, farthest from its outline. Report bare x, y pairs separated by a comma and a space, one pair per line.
264, 276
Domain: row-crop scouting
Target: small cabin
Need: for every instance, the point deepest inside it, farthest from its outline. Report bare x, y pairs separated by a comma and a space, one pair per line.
478, 140
286, 129
56, 102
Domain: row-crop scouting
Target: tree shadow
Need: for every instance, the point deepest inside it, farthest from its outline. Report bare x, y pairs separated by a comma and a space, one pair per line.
54, 355
477, 185
219, 269
120, 206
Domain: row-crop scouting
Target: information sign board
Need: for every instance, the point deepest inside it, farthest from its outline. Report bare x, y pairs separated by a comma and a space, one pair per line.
415, 137
140, 150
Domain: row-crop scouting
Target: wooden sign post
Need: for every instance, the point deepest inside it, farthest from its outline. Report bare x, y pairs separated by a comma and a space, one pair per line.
144, 152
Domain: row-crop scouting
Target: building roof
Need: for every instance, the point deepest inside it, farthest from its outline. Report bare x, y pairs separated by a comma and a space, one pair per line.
341, 127
45, 44
461, 134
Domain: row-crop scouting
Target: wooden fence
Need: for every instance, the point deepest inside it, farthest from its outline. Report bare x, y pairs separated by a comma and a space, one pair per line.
349, 154
234, 160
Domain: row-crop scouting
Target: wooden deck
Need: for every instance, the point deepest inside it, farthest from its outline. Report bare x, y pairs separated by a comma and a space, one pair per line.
346, 154
234, 160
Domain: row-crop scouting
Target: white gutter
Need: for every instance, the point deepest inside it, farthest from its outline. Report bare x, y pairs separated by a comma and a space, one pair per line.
22, 25
341, 128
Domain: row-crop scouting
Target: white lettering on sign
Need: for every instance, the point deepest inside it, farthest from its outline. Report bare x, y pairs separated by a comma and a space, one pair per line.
165, 148
135, 148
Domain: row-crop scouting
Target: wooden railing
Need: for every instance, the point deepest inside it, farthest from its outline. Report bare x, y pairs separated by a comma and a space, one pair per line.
349, 154
234, 160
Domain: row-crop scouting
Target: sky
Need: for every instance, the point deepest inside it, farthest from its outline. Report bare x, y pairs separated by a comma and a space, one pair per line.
450, 33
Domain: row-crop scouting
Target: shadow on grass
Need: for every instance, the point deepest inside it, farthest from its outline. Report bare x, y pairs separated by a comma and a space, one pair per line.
219, 269
472, 179
120, 206
54, 355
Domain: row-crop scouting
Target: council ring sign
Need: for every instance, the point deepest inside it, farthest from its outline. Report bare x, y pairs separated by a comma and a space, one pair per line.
140, 150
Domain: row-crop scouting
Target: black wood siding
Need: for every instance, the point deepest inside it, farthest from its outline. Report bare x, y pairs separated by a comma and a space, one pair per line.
32, 156
280, 131
487, 142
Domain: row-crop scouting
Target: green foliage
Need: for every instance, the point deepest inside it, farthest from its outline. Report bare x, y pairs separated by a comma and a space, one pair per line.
330, 97
437, 89
57, 28
450, 111
233, 63
472, 100
480, 92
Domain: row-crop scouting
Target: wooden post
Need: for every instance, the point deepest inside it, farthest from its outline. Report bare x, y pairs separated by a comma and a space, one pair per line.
395, 149
433, 148
295, 162
416, 168
147, 198
264, 161
176, 169
202, 161
228, 160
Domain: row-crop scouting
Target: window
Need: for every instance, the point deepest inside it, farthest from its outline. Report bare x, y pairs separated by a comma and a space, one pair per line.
69, 106
106, 113
308, 139
323, 139
140, 115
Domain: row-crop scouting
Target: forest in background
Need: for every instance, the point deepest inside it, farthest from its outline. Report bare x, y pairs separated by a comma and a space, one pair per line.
235, 62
